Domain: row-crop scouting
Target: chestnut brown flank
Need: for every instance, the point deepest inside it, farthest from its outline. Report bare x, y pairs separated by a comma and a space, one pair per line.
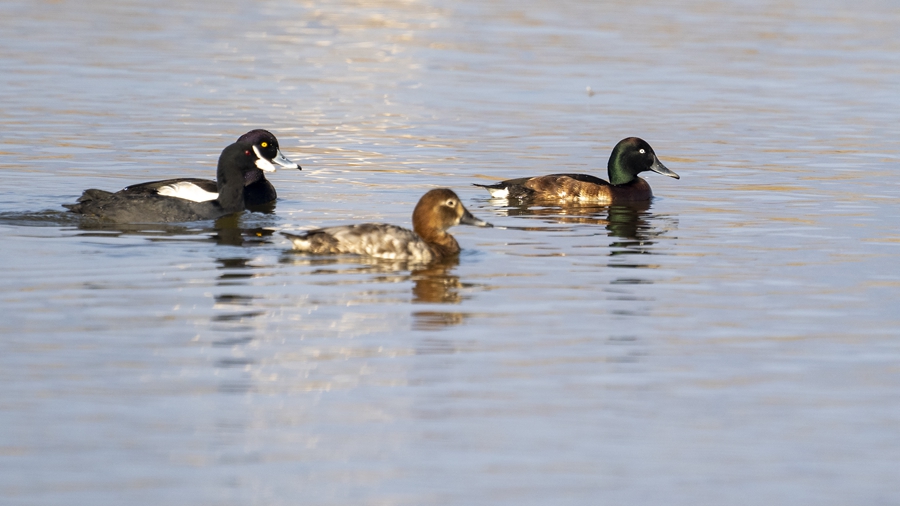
567, 188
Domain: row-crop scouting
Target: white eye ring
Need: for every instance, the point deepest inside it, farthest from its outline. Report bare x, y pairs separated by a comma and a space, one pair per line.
642, 151
451, 203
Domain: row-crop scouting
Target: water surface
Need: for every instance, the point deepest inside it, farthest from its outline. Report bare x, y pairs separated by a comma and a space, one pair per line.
732, 342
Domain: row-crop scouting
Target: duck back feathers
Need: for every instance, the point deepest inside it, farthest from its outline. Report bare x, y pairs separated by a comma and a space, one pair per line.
377, 240
237, 164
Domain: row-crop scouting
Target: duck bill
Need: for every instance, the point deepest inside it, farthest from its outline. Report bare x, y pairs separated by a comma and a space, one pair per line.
282, 161
659, 168
468, 219
261, 162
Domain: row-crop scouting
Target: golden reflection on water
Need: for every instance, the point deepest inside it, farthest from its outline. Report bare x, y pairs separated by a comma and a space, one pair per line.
629, 225
434, 283
621, 220
389, 96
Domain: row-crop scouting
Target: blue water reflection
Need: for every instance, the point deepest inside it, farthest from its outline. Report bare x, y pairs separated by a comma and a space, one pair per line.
735, 337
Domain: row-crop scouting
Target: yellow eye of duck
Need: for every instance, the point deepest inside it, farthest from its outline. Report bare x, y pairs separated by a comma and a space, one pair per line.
266, 144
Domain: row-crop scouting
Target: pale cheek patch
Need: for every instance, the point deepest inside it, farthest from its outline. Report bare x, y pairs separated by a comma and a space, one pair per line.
187, 191
261, 163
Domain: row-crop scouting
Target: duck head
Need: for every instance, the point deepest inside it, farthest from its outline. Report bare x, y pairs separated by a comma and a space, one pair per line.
632, 156
238, 166
439, 210
266, 146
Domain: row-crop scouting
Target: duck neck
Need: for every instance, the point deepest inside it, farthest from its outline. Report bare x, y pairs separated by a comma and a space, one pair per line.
618, 172
441, 242
232, 199
231, 191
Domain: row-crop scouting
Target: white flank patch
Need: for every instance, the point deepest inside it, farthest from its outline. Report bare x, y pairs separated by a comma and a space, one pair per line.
501, 193
263, 164
300, 244
187, 191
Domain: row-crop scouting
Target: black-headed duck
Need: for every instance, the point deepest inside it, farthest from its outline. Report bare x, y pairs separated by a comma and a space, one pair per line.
240, 164
259, 192
629, 158
429, 241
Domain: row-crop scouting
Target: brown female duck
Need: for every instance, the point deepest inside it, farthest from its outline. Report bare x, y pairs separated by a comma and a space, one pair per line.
429, 241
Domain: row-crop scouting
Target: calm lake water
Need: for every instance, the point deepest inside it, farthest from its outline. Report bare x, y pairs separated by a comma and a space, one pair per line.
733, 342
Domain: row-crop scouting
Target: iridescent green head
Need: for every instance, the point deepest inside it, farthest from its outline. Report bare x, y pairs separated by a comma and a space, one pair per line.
632, 156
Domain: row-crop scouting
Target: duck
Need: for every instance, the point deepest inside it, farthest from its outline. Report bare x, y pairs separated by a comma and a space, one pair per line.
630, 157
257, 193
240, 165
436, 211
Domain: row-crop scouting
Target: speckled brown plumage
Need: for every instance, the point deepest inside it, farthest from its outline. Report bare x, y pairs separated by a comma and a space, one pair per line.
436, 211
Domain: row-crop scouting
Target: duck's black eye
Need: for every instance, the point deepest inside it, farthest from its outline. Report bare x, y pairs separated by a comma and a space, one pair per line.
451, 203
641, 151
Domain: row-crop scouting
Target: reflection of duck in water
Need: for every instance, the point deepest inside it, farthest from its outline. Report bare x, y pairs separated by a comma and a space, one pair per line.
629, 221
434, 283
429, 241
629, 158
630, 227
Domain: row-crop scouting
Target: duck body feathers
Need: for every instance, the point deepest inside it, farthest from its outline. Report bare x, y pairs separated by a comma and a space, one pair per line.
237, 165
570, 188
257, 190
436, 211
200, 190
153, 187
630, 157
147, 208
378, 240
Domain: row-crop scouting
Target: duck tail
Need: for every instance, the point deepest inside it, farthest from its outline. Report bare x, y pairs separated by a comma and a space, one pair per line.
497, 191
86, 198
301, 242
